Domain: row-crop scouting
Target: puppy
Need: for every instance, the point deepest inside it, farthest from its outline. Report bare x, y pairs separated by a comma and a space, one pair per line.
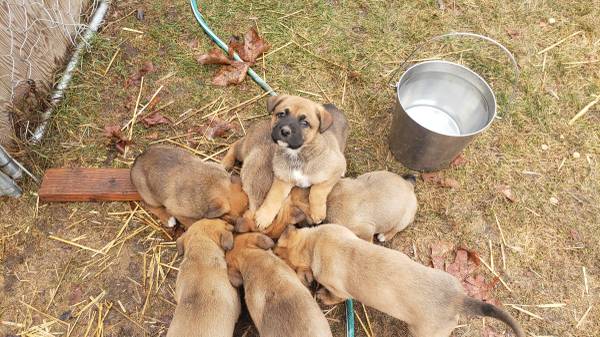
207, 304
379, 202
177, 184
256, 150
279, 304
428, 300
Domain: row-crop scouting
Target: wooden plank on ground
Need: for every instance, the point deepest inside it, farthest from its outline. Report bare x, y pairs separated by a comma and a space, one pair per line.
87, 184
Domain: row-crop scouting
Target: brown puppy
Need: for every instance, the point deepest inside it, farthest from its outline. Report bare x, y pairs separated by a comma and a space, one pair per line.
256, 151
277, 301
428, 300
379, 202
178, 184
307, 156
207, 304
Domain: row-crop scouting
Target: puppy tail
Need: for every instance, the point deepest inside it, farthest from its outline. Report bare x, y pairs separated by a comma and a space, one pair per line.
411, 178
480, 308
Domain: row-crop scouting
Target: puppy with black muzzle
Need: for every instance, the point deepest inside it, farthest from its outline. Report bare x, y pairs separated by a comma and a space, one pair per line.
207, 304
279, 304
256, 151
427, 299
179, 185
306, 156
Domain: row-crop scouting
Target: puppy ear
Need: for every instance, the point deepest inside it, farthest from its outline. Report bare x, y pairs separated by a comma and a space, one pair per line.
227, 240
217, 207
180, 245
325, 119
273, 102
264, 242
234, 277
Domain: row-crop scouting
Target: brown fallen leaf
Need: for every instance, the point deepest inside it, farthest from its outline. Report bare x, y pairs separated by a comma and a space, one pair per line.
439, 179
513, 33
462, 266
134, 80
155, 119
250, 47
152, 104
477, 287
113, 132
439, 252
507, 192
231, 74
214, 128
215, 56
458, 161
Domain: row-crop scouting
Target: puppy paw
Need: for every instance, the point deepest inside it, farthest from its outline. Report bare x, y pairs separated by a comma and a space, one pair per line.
263, 219
171, 222
318, 214
327, 298
381, 237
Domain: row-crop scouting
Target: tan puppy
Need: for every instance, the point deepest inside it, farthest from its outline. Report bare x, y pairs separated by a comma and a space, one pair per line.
379, 202
178, 184
307, 156
428, 300
207, 304
279, 304
256, 151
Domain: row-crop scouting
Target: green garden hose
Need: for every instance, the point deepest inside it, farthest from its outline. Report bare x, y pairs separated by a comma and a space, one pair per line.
267, 88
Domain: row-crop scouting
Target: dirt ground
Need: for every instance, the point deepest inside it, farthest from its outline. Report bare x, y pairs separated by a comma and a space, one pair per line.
108, 269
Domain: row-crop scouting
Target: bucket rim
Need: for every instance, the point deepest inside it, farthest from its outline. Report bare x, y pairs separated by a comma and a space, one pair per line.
470, 134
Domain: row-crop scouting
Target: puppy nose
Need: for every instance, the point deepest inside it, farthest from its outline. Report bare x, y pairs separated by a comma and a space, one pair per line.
286, 131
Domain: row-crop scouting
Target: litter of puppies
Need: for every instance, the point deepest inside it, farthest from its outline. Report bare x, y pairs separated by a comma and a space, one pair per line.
291, 176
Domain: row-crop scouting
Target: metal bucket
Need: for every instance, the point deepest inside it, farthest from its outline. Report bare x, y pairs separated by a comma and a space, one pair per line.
440, 107
8, 187
9, 166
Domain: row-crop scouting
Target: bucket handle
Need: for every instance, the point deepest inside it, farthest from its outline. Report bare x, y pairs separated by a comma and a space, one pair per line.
466, 34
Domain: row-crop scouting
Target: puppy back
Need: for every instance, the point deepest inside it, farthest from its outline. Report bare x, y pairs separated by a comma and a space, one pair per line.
339, 128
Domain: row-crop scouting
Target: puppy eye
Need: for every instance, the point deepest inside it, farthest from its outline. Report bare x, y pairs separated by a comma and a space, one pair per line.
304, 124
280, 114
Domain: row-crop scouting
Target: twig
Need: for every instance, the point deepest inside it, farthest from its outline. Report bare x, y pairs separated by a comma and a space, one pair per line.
43, 313
321, 88
132, 30
362, 324
291, 14
500, 229
144, 108
526, 311
196, 111
491, 255
559, 42
309, 93
319, 57
111, 61
135, 109
584, 110
274, 51
368, 320
583, 317
132, 321
75, 244
344, 88
495, 274
503, 256
585, 281
59, 283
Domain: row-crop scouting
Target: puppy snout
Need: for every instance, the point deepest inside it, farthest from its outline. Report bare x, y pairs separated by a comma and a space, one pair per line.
286, 131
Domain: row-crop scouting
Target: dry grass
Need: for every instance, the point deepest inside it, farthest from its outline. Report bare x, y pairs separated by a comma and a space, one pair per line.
544, 246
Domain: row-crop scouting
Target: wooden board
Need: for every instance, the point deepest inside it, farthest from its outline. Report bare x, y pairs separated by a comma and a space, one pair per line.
87, 184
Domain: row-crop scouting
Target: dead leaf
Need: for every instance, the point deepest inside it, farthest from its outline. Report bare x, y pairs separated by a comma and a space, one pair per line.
146, 68
462, 266
215, 56
152, 104
214, 128
231, 74
477, 287
153, 136
250, 47
513, 33
507, 192
439, 251
458, 161
439, 179
116, 137
155, 119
